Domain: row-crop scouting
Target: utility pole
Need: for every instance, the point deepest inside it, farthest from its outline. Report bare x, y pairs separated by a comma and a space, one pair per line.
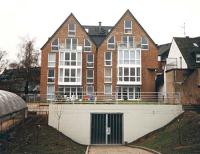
184, 33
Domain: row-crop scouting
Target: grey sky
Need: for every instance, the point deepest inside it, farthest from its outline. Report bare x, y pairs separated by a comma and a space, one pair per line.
38, 19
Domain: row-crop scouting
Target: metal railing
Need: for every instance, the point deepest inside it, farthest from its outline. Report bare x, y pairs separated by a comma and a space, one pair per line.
113, 98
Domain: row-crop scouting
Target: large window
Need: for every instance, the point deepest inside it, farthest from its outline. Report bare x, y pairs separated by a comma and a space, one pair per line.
71, 30
108, 59
128, 41
55, 45
126, 57
127, 27
90, 60
128, 92
197, 58
144, 43
51, 75
129, 74
70, 58
71, 43
111, 43
87, 45
129, 66
70, 75
70, 92
90, 76
51, 59
90, 89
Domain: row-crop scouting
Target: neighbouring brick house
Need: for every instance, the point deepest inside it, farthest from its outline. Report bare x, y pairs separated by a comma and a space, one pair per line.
80, 60
182, 69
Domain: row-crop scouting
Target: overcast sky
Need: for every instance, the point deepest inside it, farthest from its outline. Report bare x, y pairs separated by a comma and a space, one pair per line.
162, 19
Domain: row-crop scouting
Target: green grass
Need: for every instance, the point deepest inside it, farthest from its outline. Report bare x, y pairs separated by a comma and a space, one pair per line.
30, 139
182, 136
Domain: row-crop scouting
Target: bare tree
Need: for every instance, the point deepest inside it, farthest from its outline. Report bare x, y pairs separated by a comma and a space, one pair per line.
28, 58
3, 60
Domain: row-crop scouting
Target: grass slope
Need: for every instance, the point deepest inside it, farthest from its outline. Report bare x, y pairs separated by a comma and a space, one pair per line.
182, 136
29, 139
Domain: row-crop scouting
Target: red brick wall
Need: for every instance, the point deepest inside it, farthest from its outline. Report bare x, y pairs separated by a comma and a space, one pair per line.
62, 34
149, 57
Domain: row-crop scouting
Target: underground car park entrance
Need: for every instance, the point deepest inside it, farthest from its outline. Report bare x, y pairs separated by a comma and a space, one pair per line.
106, 128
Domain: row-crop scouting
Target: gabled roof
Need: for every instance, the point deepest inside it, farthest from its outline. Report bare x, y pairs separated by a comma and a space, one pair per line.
128, 12
61, 27
97, 33
163, 50
189, 47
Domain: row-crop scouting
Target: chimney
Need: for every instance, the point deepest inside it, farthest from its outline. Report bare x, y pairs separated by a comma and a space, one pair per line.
99, 26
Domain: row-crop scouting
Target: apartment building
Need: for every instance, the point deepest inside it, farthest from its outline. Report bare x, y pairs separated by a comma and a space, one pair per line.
82, 61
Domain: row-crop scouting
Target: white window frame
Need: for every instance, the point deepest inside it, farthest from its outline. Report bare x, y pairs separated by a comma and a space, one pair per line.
72, 31
90, 78
53, 62
108, 60
90, 46
105, 89
90, 63
76, 77
55, 46
128, 28
197, 58
50, 96
71, 43
91, 86
128, 44
65, 62
51, 78
108, 77
144, 44
111, 43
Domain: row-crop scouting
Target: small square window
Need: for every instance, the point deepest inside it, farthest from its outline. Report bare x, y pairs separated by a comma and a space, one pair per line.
128, 27
197, 58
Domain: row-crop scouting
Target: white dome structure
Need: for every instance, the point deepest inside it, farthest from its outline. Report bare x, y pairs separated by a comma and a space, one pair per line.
10, 102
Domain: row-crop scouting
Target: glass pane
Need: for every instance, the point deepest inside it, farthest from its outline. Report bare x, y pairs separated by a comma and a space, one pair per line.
51, 73
52, 57
66, 72
107, 71
67, 56
73, 56
126, 71
73, 72
128, 24
87, 43
120, 71
68, 43
90, 73
111, 40
55, 42
132, 71
50, 89
125, 39
108, 55
71, 27
137, 54
144, 40
108, 89
74, 44
90, 57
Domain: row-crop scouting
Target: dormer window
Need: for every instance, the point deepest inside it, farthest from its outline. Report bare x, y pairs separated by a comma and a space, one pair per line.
111, 43
87, 45
127, 27
71, 30
144, 43
197, 58
55, 45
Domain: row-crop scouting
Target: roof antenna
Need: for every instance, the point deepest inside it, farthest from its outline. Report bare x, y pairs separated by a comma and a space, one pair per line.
184, 33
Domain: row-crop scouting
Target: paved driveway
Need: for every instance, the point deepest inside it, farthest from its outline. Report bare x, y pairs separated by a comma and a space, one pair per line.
116, 150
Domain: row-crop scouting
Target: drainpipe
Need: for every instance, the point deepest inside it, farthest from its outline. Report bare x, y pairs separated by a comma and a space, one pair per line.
100, 26
180, 62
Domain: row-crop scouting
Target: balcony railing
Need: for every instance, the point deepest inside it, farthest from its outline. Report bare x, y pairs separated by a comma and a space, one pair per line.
128, 45
101, 98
